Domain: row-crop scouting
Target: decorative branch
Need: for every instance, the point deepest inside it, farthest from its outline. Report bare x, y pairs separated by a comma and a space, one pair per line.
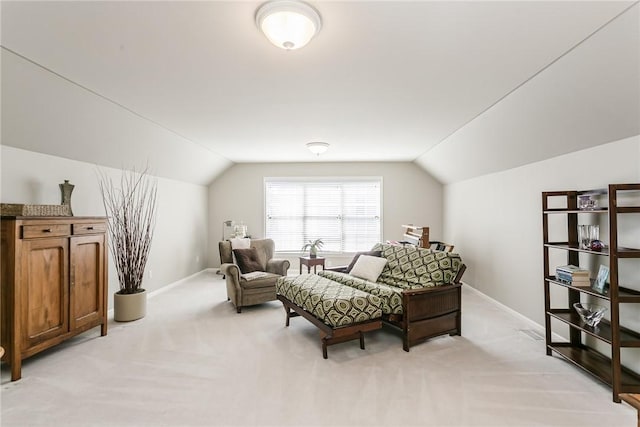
131, 209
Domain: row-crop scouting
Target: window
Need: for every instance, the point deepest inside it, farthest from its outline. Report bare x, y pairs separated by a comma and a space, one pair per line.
344, 213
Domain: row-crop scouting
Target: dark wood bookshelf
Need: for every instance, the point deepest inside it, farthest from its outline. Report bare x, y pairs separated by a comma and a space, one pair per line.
608, 369
597, 364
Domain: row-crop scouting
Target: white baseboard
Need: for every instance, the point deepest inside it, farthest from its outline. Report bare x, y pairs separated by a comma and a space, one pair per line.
168, 287
535, 325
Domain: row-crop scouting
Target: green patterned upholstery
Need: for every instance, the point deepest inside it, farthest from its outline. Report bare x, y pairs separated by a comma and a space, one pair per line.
339, 299
331, 302
410, 267
391, 296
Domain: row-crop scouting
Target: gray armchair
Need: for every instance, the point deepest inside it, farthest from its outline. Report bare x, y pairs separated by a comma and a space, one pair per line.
242, 292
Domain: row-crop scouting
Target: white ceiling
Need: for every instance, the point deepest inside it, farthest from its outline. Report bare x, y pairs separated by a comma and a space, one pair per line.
195, 86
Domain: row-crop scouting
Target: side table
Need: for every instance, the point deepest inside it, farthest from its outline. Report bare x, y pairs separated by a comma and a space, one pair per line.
311, 262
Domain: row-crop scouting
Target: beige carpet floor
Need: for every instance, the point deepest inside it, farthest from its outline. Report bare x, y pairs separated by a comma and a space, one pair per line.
192, 361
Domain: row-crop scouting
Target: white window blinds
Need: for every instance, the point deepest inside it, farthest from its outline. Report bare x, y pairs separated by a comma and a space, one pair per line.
345, 214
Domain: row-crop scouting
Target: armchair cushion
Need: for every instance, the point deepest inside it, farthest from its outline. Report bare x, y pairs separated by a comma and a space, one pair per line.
248, 260
266, 281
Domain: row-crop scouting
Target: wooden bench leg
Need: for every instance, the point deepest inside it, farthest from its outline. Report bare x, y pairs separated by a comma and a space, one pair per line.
289, 313
329, 335
286, 310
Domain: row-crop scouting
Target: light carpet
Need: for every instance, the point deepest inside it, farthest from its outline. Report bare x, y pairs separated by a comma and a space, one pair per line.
193, 361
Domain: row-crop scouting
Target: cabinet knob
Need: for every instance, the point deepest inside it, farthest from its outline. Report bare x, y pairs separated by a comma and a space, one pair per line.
89, 228
47, 230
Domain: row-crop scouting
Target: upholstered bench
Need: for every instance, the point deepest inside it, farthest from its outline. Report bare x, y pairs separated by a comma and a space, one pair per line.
342, 313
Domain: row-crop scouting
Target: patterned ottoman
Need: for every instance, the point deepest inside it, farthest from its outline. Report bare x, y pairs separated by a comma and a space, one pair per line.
342, 313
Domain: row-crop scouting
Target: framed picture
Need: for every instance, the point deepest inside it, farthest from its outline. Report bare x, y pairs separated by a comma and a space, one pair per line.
599, 284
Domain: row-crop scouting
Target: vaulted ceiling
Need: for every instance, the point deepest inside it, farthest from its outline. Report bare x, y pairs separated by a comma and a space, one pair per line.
461, 88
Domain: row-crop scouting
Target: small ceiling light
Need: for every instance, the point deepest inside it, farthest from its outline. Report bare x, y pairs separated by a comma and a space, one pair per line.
288, 24
317, 148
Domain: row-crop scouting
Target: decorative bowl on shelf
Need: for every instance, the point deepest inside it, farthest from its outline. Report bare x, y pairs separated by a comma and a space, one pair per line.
591, 314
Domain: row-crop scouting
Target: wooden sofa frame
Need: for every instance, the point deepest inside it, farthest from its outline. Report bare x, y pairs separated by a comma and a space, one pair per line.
427, 312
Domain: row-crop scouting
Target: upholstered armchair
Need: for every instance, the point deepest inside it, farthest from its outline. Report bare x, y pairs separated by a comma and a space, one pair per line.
246, 288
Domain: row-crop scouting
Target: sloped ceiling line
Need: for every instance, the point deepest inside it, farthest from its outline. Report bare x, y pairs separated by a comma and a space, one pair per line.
568, 51
588, 98
46, 113
116, 103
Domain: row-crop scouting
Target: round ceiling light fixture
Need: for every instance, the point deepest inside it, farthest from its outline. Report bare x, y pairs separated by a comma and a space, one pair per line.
288, 24
317, 148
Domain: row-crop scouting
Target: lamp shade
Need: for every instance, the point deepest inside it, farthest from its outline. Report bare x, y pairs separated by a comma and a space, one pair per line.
288, 24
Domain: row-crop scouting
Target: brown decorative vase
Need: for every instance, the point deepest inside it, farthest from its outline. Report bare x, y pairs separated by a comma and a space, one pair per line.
128, 307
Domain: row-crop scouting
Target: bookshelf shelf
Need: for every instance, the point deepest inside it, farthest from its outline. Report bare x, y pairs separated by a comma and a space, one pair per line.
624, 294
579, 211
597, 364
608, 369
602, 331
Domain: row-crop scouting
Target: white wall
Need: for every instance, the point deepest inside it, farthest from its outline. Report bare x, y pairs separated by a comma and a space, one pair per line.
410, 195
179, 248
495, 220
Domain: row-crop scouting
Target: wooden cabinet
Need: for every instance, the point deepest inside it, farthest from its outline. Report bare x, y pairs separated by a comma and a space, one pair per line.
54, 283
596, 350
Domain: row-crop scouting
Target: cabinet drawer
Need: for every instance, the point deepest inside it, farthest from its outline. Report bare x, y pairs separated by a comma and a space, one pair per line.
45, 230
89, 228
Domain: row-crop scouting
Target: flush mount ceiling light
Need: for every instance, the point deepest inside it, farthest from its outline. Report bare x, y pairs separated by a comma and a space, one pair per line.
317, 148
288, 24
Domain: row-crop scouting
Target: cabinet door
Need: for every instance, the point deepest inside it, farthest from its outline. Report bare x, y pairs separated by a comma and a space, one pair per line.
87, 280
44, 290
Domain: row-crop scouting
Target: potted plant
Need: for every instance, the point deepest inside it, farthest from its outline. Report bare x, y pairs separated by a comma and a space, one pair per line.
313, 246
131, 208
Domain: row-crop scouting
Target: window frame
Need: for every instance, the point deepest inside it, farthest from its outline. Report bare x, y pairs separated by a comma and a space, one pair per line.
322, 179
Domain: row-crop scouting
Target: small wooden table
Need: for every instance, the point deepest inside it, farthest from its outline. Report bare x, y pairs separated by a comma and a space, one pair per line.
633, 400
311, 262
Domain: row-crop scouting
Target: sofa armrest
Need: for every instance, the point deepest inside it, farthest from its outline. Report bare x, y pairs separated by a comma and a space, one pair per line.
430, 289
461, 270
339, 268
278, 266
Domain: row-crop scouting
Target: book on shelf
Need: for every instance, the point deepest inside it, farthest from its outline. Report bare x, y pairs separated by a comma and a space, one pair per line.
573, 270
573, 275
575, 282
565, 276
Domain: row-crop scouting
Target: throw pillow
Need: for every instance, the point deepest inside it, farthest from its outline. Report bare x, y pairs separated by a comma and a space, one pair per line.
239, 243
248, 260
368, 267
355, 258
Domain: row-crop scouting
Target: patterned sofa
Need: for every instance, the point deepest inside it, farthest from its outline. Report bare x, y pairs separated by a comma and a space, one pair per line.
418, 290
